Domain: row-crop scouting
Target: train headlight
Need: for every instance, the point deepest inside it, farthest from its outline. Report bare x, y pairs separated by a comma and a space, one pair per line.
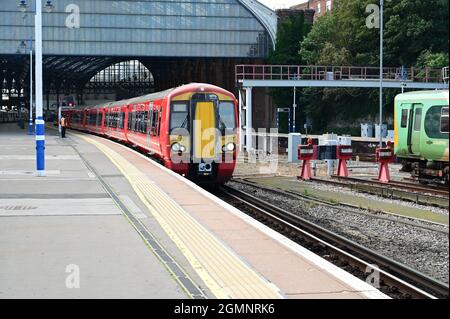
228, 148
178, 148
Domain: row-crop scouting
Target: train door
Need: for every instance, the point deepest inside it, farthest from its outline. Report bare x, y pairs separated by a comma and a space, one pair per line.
415, 127
204, 124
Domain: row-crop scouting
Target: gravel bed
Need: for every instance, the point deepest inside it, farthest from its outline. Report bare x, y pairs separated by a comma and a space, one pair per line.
421, 249
343, 190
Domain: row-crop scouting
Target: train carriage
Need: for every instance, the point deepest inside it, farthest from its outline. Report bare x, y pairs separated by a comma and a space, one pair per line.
191, 129
114, 121
95, 120
76, 118
422, 132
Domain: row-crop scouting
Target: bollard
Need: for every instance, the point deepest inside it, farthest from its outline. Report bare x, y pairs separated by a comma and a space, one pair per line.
344, 153
306, 153
384, 157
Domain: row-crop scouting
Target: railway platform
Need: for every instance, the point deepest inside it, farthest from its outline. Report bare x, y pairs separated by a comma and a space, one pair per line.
107, 222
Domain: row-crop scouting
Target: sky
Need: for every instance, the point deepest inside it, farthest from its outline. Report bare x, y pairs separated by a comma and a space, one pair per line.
280, 4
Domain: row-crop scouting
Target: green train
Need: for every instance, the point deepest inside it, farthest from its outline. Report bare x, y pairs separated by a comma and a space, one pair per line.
421, 134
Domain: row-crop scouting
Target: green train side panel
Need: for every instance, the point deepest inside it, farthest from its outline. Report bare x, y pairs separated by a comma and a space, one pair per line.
417, 126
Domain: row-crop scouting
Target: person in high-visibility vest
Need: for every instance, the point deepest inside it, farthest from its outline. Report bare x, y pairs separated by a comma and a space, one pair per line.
63, 127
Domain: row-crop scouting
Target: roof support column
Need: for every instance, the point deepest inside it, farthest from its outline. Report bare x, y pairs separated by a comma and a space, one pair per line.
241, 122
248, 117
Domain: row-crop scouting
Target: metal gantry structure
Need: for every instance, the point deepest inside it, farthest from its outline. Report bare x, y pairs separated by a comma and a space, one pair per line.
297, 76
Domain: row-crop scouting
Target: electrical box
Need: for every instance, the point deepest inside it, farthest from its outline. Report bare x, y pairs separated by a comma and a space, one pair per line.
294, 140
366, 130
383, 131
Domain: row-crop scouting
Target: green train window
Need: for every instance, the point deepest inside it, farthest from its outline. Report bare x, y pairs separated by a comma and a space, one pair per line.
444, 120
404, 118
417, 119
436, 122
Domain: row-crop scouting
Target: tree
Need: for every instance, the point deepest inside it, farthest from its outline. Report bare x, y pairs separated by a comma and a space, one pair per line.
291, 33
416, 34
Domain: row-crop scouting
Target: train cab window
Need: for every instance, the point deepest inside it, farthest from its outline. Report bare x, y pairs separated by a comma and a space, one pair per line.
404, 122
444, 120
227, 116
179, 116
418, 119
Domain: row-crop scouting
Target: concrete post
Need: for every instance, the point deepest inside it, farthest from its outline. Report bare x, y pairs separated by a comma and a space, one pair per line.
241, 123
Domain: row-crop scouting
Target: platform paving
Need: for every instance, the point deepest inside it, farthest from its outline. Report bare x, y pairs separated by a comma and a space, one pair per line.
134, 229
53, 227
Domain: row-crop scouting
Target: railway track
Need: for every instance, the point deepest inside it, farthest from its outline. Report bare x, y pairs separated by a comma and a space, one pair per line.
396, 280
353, 209
435, 190
394, 190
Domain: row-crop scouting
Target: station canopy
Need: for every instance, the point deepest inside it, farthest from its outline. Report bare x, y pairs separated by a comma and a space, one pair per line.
112, 31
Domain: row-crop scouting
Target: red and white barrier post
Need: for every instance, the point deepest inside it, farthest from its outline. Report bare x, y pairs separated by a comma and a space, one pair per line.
306, 154
344, 153
384, 157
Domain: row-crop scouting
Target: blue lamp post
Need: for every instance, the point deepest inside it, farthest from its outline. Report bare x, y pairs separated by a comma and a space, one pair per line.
40, 123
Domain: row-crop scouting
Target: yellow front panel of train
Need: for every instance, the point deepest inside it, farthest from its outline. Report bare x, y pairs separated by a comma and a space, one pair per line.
204, 124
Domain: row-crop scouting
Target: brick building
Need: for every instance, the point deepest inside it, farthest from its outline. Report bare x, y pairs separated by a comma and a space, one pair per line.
321, 7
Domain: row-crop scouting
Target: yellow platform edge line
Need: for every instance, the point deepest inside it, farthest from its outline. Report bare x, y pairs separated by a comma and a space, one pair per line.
256, 288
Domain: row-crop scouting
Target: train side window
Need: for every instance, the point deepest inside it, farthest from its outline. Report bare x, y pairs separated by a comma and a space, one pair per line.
418, 119
138, 121
143, 124
122, 120
139, 126
444, 120
158, 132
405, 113
133, 121
154, 128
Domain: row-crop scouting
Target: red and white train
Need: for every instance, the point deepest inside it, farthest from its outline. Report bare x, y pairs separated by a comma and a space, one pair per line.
191, 129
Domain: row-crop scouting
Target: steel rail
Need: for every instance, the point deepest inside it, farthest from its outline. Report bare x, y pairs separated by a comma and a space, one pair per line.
422, 196
353, 209
400, 185
392, 273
